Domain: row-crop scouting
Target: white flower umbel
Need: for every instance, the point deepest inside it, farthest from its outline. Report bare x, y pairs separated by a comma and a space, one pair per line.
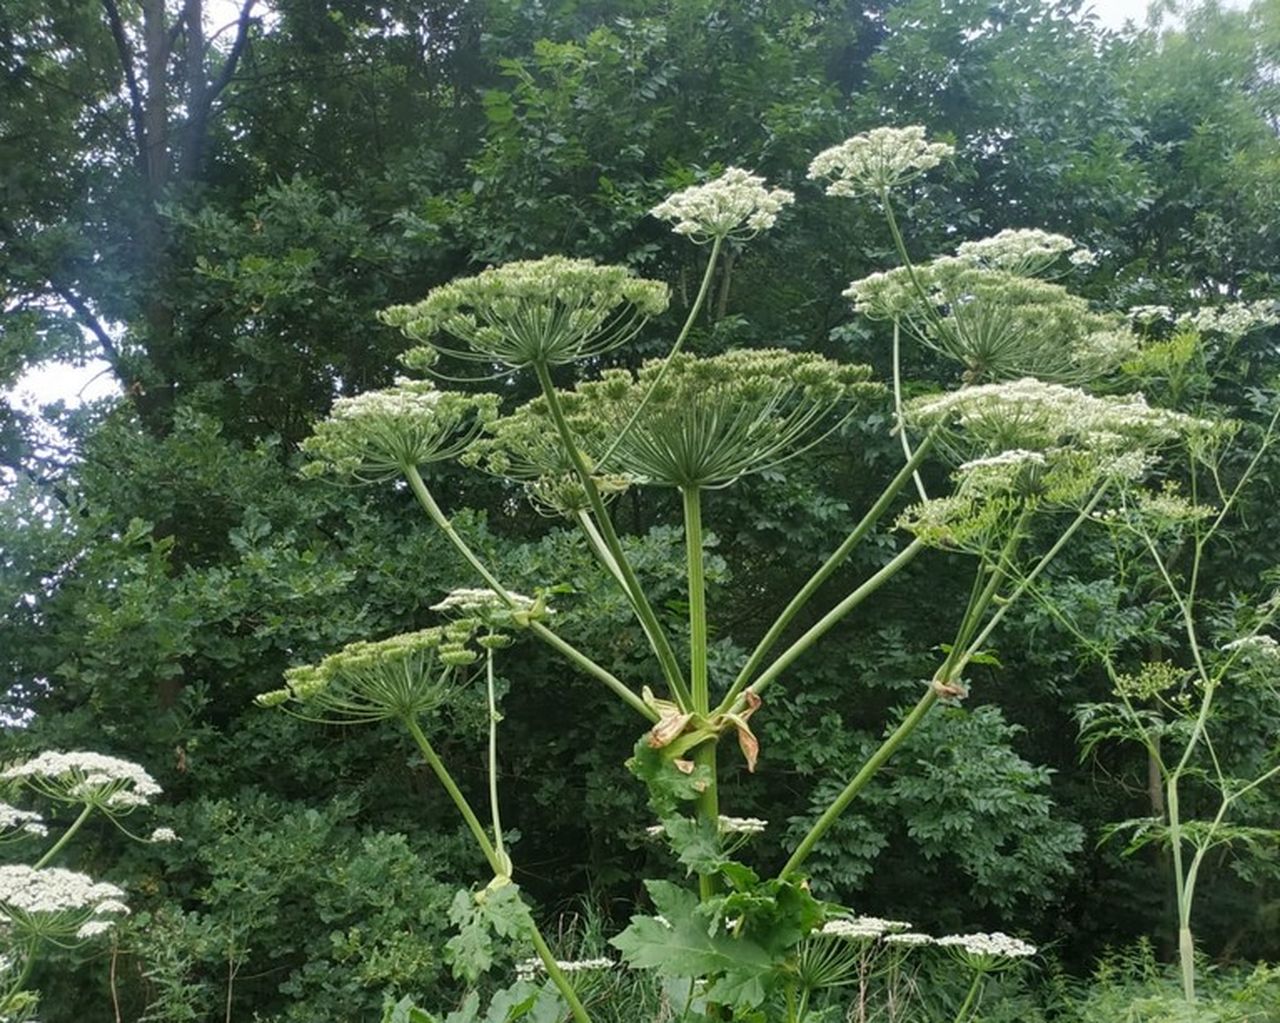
547, 312
742, 825
1033, 415
109, 783
56, 904
377, 435
1258, 649
862, 928
1234, 319
1147, 314
164, 835
1019, 251
986, 953
735, 205
472, 600
909, 939
15, 823
878, 160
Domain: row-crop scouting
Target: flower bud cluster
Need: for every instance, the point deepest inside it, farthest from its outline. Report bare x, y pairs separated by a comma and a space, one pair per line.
735, 205
878, 160
1018, 251
380, 434
531, 312
995, 945
529, 969
401, 677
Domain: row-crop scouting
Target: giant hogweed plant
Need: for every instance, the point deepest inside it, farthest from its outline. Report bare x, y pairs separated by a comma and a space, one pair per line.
1032, 456
1187, 667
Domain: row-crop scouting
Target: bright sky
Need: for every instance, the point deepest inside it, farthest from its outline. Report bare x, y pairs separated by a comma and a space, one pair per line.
74, 384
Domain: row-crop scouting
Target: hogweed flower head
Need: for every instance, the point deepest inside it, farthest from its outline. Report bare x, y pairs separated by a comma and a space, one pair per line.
710, 421
986, 953
1023, 251
982, 309
862, 927
528, 969
402, 677
162, 835
488, 608
878, 160
16, 823
546, 312
1234, 319
55, 904
735, 205
111, 784
379, 434
1034, 415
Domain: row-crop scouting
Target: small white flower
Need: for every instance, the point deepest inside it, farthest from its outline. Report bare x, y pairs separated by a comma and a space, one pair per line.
1083, 259
92, 929
1234, 319
737, 204
1150, 313
909, 938
164, 835
878, 160
1257, 648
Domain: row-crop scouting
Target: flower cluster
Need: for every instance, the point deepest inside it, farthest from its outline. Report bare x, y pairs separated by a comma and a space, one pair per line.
987, 951
860, 928
1019, 251
15, 823
379, 434
401, 677
1147, 314
1234, 319
1033, 415
109, 783
735, 205
528, 969
1259, 648
531, 312
742, 825
706, 422
162, 835
1152, 679
982, 309
60, 905
878, 160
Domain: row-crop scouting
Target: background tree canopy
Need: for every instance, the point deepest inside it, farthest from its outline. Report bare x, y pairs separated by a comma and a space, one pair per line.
219, 212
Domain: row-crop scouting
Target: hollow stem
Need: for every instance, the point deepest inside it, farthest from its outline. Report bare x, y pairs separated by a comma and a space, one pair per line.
67, 835
699, 686
500, 865
898, 414
575, 655
494, 813
970, 997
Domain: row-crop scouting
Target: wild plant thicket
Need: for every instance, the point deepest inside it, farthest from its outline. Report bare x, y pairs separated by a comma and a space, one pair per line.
1078, 480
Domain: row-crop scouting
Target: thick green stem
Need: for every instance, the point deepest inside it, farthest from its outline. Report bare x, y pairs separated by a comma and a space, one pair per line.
858, 783
537, 628
1186, 944
557, 976
974, 988
679, 343
67, 835
699, 686
493, 756
631, 585
828, 568
499, 864
708, 805
832, 617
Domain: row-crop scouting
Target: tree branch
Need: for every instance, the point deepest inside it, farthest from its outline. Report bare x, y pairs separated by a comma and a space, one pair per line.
202, 105
125, 53
91, 323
